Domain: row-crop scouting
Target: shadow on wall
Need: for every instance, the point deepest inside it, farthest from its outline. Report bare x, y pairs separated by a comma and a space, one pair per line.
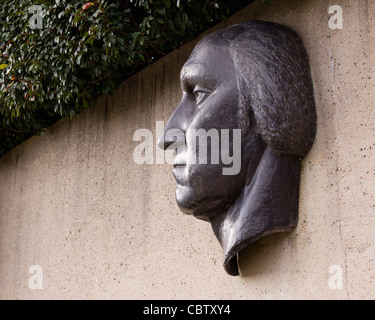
264, 255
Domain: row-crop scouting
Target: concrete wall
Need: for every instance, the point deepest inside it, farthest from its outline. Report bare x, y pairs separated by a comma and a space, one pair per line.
100, 226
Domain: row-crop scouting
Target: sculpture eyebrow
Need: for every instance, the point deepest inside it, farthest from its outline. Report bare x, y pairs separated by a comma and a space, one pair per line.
195, 75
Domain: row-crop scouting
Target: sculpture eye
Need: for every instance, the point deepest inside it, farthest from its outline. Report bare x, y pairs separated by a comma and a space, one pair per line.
201, 95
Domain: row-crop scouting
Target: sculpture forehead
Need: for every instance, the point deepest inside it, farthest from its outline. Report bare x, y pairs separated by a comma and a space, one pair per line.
210, 61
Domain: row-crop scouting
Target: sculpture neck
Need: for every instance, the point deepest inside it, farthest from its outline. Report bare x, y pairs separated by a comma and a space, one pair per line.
268, 204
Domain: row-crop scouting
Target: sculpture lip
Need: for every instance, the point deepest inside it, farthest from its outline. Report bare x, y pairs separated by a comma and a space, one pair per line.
179, 165
179, 161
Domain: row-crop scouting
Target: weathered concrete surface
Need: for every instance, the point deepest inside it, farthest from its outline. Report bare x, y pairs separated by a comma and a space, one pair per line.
100, 226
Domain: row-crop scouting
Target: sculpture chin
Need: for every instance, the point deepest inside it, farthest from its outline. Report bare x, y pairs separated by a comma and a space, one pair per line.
184, 199
205, 209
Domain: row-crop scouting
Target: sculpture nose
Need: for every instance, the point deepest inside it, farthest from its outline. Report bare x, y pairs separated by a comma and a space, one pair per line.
171, 135
167, 138
176, 125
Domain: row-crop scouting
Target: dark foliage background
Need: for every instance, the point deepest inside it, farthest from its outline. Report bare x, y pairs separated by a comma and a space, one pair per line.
83, 50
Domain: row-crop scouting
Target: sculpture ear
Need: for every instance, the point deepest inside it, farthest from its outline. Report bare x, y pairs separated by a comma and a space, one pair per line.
283, 106
274, 74
288, 127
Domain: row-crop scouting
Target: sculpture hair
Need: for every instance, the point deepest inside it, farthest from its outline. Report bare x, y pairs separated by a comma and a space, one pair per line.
275, 84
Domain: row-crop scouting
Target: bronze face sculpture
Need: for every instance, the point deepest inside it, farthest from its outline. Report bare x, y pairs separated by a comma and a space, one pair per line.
253, 76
